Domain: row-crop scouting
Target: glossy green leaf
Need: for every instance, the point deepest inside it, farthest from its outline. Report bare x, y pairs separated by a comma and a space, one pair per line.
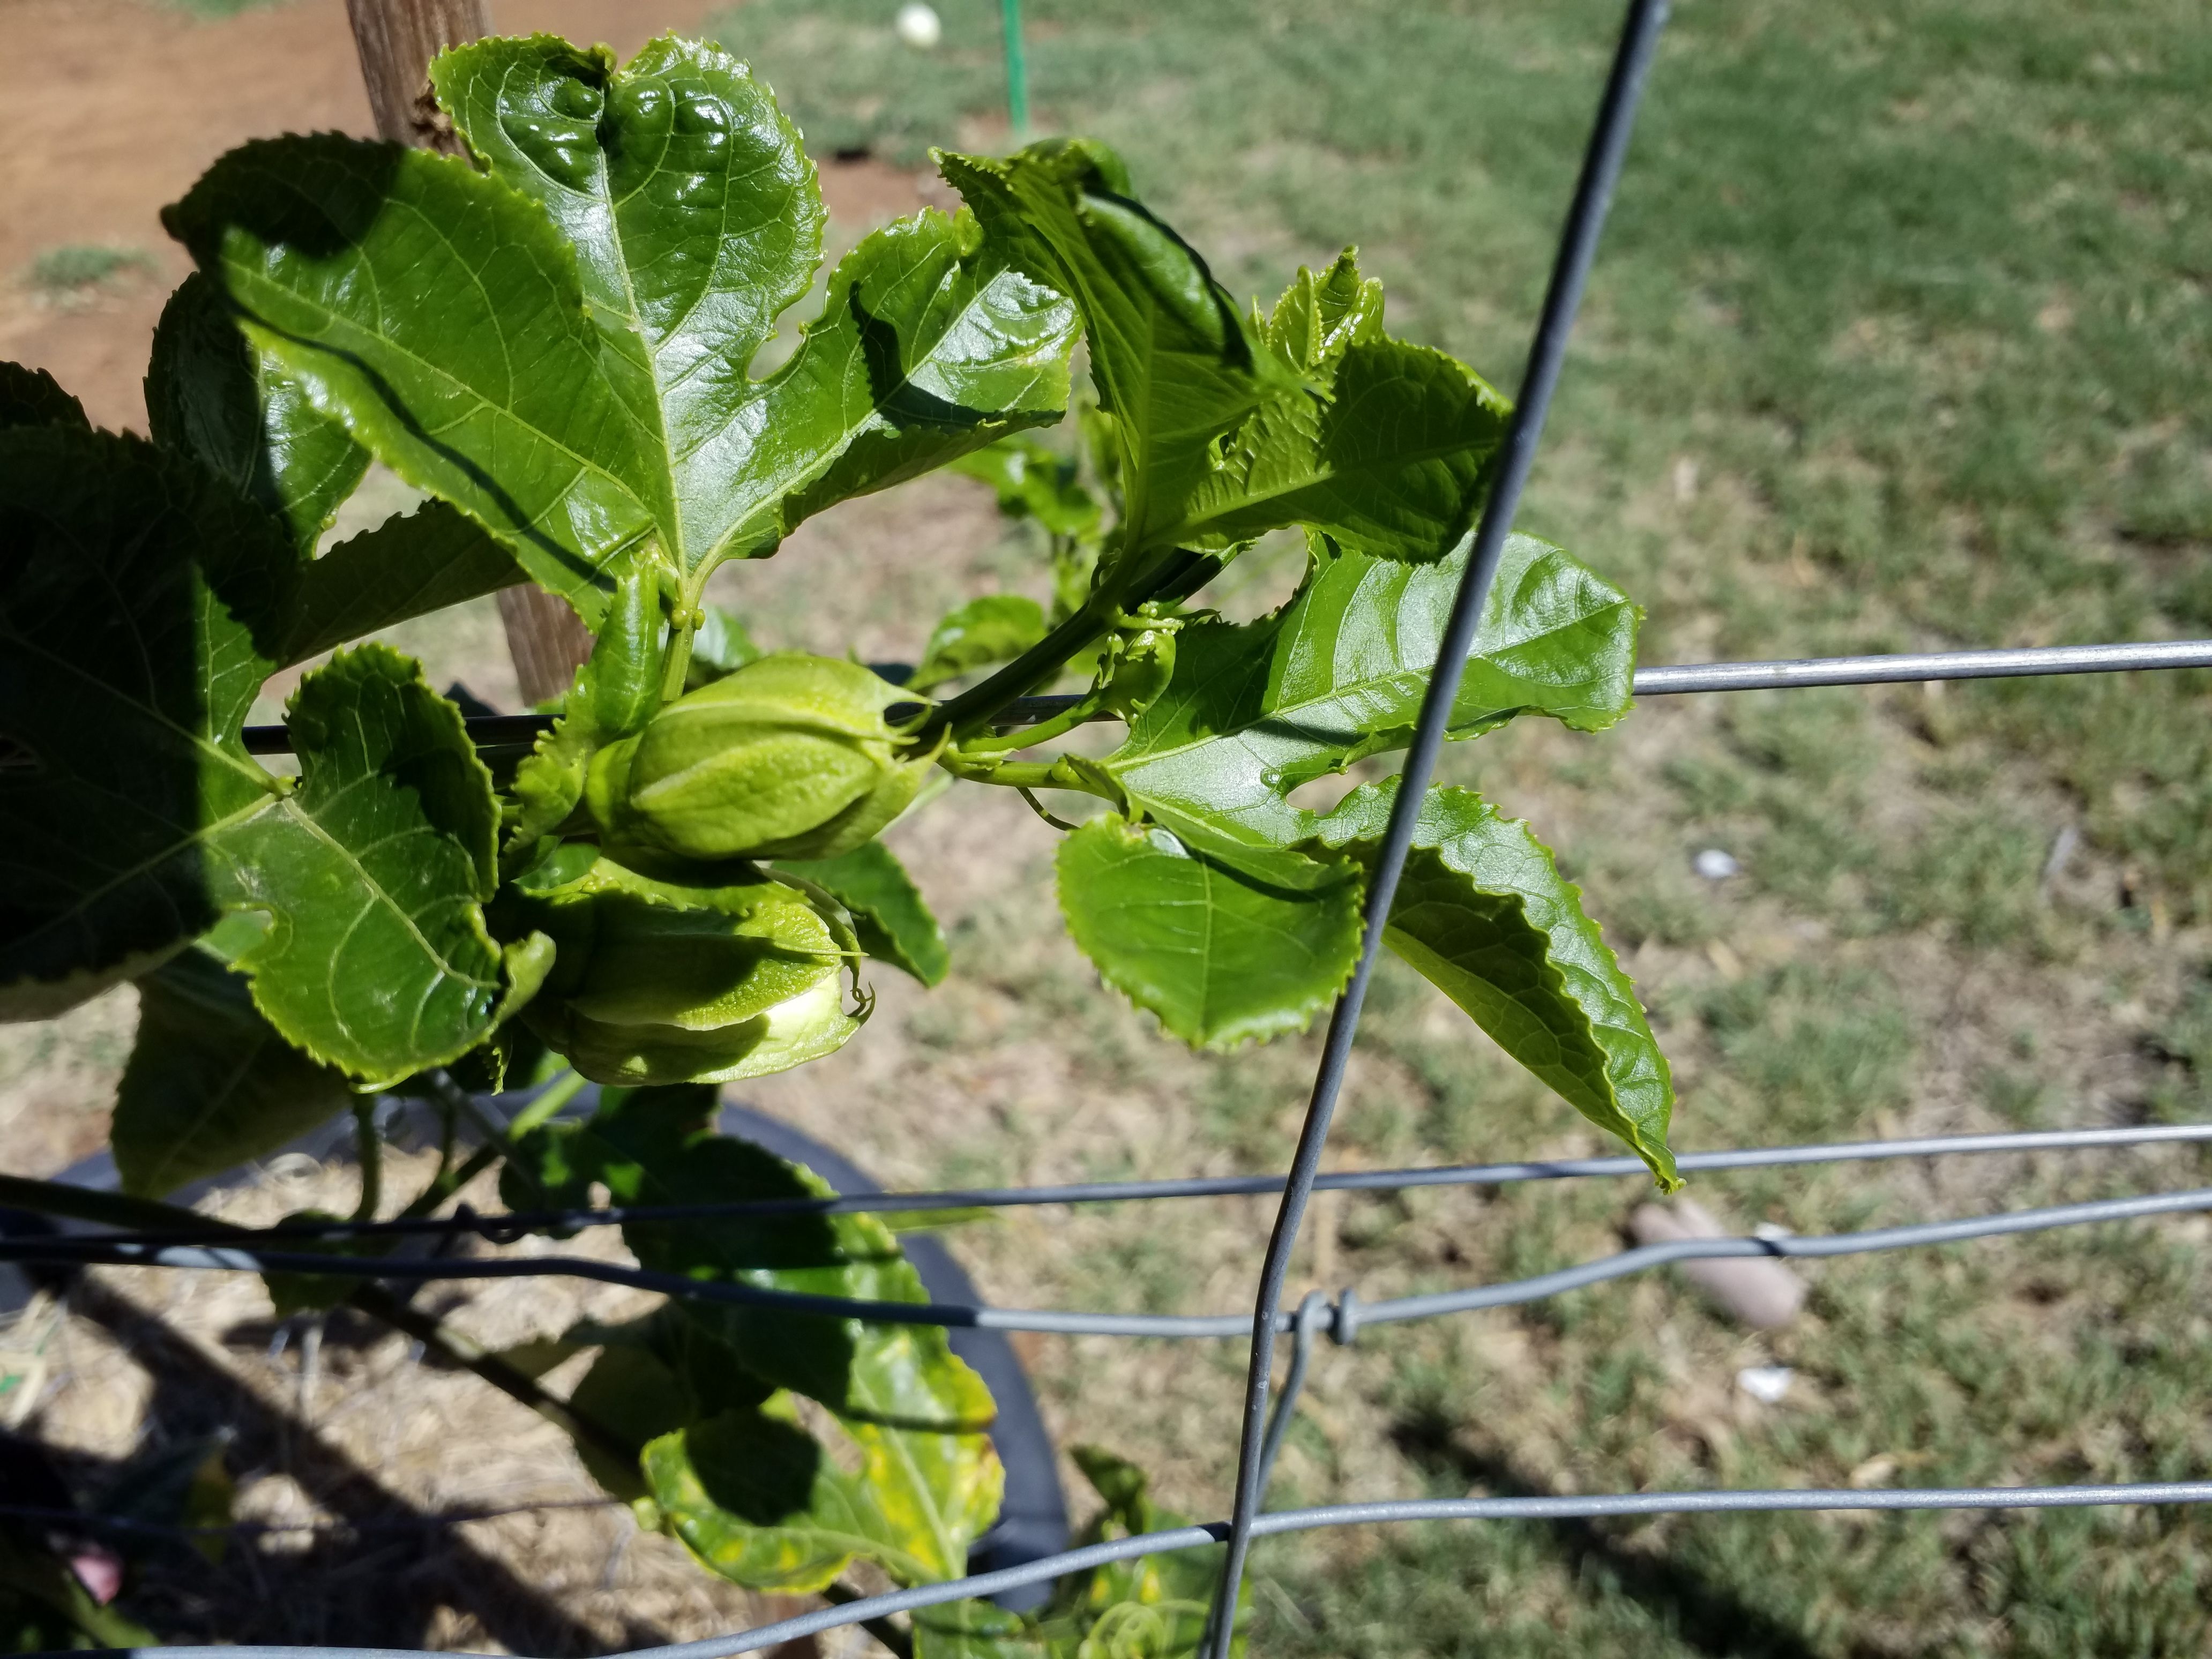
1177, 365
373, 872
763, 1503
132, 589
210, 394
655, 1146
889, 915
1484, 913
1255, 709
210, 1084
409, 566
1220, 953
995, 627
562, 346
30, 397
440, 313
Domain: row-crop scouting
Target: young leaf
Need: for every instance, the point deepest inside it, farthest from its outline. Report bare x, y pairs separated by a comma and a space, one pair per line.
613, 693
1385, 450
1225, 431
654, 1146
1156, 1604
373, 871
1255, 709
210, 394
1484, 913
1177, 365
1220, 952
134, 592
888, 914
995, 627
30, 397
210, 1084
409, 566
760, 1501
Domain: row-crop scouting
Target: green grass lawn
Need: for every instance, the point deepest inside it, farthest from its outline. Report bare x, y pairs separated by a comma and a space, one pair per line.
1901, 338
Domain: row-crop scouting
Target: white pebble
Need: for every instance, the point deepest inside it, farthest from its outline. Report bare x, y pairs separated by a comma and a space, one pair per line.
1714, 865
919, 26
1766, 1383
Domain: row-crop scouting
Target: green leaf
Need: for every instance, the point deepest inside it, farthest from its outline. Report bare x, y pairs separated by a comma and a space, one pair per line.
1220, 953
132, 587
440, 313
409, 566
995, 627
1034, 482
615, 691
210, 1084
1255, 709
210, 394
750, 1490
888, 914
761, 1502
30, 397
655, 1146
977, 1630
1386, 451
1225, 431
373, 872
1484, 913
652, 1376
1156, 1605
1177, 365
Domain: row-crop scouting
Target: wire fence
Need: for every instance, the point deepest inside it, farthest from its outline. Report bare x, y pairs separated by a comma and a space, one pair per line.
1267, 1409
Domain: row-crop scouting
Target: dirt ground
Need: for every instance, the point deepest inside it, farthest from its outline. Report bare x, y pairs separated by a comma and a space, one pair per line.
130, 102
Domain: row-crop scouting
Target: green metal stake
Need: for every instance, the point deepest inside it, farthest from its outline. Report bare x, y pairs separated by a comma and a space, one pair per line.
1017, 74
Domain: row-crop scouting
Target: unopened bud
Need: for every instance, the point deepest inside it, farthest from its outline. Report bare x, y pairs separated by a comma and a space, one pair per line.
657, 981
789, 757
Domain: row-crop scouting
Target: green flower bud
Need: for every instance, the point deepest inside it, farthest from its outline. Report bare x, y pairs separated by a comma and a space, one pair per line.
789, 757
660, 982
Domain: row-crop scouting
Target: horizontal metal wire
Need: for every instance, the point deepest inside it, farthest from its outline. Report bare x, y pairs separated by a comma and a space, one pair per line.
504, 1227
495, 731
1779, 675
1350, 1314
1580, 1507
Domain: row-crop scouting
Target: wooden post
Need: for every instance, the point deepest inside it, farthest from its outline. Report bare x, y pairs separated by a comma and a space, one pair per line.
397, 39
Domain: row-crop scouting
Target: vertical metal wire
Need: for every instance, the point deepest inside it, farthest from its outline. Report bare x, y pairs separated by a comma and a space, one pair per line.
1608, 144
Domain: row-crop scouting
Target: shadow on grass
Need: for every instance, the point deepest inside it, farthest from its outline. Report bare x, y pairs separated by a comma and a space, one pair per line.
1707, 1617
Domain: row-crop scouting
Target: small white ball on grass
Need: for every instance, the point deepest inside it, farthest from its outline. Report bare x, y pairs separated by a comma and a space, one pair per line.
918, 25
